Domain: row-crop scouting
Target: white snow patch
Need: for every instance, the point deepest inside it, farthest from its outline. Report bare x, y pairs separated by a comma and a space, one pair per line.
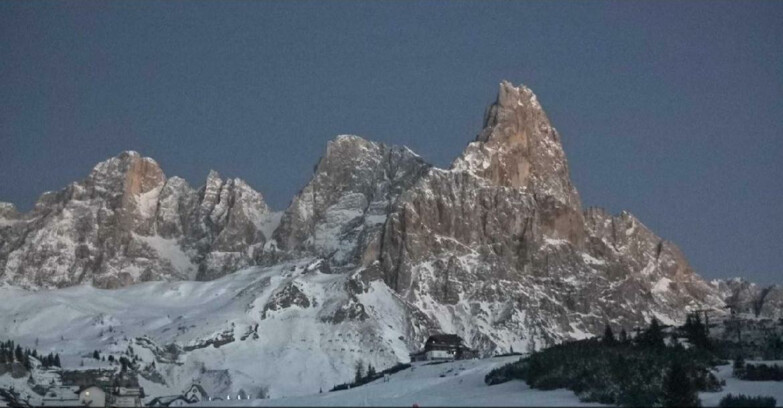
458, 383
169, 249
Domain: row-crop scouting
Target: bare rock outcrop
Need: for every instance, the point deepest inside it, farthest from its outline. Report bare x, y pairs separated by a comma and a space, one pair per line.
127, 223
340, 213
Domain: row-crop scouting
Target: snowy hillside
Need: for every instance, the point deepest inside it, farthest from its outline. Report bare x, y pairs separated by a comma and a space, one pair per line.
276, 328
736, 386
459, 383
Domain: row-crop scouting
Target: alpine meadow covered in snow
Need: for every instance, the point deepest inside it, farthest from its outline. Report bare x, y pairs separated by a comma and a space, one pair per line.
387, 280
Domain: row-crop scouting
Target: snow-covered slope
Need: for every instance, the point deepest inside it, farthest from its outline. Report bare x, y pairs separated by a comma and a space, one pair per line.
290, 328
458, 383
736, 387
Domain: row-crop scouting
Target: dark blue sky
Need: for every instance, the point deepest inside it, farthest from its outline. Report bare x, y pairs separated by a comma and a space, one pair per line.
671, 110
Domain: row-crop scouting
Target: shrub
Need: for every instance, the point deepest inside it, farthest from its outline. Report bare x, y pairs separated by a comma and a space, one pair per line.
746, 401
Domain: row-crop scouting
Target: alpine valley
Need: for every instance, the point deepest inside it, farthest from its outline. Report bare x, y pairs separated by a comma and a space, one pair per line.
378, 251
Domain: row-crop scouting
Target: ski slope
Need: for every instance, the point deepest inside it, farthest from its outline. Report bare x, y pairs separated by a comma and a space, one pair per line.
458, 383
736, 386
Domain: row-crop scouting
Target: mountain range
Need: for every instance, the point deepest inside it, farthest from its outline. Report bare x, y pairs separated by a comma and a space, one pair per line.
379, 247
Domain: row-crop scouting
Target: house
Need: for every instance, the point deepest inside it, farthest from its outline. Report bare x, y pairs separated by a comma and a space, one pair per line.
92, 396
127, 396
126, 392
444, 347
61, 396
196, 393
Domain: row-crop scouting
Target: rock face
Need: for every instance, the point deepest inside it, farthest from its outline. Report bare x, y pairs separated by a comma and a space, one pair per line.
340, 214
127, 223
496, 249
751, 300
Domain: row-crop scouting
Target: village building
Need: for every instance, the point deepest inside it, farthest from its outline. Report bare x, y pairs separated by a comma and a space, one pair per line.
127, 397
196, 393
444, 347
103, 388
61, 396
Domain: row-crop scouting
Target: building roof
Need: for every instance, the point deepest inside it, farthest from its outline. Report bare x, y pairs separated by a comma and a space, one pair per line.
445, 338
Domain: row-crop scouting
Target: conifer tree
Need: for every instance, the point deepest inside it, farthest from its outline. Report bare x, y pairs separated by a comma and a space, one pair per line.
653, 336
678, 390
696, 331
608, 339
359, 371
623, 336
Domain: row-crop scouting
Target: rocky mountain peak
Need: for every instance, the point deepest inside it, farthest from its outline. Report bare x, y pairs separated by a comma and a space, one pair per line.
340, 212
519, 148
7, 210
126, 222
139, 174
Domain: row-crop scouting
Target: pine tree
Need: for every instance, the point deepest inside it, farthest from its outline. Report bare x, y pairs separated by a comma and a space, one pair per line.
96, 355
678, 391
739, 366
370, 371
623, 336
359, 372
696, 331
57, 360
608, 339
653, 336
18, 354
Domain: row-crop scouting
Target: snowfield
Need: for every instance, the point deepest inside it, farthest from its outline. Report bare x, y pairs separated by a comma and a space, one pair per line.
276, 334
736, 386
458, 383
269, 330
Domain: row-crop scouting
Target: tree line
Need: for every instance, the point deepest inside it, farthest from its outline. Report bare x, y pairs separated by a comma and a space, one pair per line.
639, 371
13, 353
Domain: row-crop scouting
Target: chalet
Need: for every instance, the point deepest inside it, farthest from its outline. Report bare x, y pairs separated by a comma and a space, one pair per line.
196, 393
126, 392
444, 347
127, 396
96, 388
61, 396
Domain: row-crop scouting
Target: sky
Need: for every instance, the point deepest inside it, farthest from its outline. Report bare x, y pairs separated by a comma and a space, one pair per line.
671, 110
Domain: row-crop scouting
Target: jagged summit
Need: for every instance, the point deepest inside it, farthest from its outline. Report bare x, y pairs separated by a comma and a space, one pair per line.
7, 209
519, 148
126, 223
339, 214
